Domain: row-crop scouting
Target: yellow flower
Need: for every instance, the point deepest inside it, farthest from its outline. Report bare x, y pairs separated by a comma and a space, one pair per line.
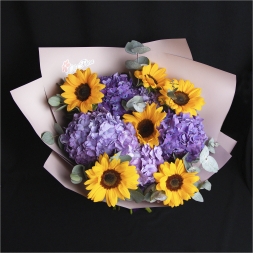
146, 123
111, 180
82, 90
176, 182
151, 76
187, 99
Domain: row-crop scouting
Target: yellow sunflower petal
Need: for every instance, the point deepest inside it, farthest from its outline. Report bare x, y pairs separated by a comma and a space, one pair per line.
124, 191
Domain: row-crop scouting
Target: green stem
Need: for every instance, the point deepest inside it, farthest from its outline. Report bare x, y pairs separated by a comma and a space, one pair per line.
148, 210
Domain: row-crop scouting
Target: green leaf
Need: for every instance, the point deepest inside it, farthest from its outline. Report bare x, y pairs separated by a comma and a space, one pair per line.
130, 45
124, 158
94, 107
136, 196
123, 103
58, 128
76, 179
78, 169
77, 174
60, 144
60, 108
59, 96
48, 138
54, 101
206, 185
132, 65
186, 164
115, 156
147, 196
151, 188
143, 60
193, 169
158, 195
198, 197
140, 50
171, 94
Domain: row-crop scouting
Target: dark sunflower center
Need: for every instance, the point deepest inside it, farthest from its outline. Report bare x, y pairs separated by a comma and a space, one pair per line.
152, 78
145, 128
174, 182
83, 92
181, 98
110, 179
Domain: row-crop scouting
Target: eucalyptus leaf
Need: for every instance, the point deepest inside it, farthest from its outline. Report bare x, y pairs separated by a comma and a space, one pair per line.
136, 196
60, 108
123, 103
151, 188
140, 107
136, 103
58, 128
198, 197
140, 50
211, 149
147, 196
75, 179
186, 164
59, 96
130, 45
212, 145
193, 169
208, 162
132, 65
134, 100
206, 185
78, 169
125, 158
77, 174
54, 101
158, 195
143, 60
115, 156
48, 138
60, 144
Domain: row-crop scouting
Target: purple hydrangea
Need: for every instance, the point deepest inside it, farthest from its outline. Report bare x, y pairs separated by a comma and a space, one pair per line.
118, 88
147, 163
95, 133
182, 134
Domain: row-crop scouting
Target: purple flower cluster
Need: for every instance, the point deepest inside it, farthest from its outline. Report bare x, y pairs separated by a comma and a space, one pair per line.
119, 88
182, 134
91, 134
147, 163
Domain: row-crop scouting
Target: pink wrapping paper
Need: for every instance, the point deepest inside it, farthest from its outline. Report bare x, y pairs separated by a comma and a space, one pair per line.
106, 61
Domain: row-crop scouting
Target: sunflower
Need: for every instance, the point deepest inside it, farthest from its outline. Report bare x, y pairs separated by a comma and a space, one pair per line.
111, 180
151, 76
146, 123
176, 182
187, 98
82, 90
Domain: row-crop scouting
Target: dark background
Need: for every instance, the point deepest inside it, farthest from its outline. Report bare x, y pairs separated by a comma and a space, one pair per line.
39, 214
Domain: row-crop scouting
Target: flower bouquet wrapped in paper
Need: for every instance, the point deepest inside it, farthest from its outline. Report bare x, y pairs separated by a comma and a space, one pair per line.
130, 130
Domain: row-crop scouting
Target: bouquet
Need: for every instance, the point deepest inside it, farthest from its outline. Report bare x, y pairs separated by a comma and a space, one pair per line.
135, 137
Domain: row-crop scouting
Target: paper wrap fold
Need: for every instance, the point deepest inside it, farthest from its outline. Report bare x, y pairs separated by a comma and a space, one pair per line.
218, 88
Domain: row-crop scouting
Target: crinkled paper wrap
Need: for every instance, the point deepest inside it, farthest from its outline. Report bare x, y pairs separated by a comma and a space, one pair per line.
218, 88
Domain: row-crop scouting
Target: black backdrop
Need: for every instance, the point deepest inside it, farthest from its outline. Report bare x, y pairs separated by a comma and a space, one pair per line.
39, 214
